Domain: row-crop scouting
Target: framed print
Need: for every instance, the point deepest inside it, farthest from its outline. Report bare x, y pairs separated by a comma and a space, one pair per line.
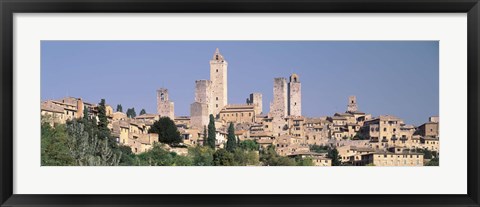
200, 103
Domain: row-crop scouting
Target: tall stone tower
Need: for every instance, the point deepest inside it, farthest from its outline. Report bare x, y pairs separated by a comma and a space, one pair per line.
256, 100
294, 96
352, 104
279, 106
164, 106
218, 76
201, 109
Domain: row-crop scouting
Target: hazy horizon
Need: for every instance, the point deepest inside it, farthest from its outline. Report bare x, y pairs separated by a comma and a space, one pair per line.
398, 78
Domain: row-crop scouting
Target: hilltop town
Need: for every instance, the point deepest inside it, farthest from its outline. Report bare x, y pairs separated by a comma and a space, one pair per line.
359, 138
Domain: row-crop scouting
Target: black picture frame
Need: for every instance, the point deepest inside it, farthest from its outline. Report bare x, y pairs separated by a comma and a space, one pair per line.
10, 7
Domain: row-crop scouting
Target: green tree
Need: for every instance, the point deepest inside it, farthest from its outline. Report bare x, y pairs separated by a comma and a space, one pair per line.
142, 112
244, 158
249, 145
205, 138
231, 140
201, 155
131, 113
88, 150
269, 157
333, 154
211, 132
102, 116
85, 114
167, 131
223, 158
54, 150
433, 162
308, 161
119, 108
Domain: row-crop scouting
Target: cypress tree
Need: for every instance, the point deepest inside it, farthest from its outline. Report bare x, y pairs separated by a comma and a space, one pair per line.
205, 143
142, 112
231, 141
211, 132
119, 108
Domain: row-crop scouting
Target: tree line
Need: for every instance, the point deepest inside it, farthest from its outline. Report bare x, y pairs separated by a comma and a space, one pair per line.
88, 142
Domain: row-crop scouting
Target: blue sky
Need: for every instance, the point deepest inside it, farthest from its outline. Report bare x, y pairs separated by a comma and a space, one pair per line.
388, 77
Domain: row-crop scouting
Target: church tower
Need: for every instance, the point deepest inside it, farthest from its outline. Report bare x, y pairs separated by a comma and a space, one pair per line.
165, 107
294, 96
352, 104
218, 78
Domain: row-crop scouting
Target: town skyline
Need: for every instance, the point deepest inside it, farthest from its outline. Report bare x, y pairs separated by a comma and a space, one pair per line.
333, 97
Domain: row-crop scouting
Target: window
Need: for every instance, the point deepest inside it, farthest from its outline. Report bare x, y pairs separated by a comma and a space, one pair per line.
384, 129
217, 70
216, 98
216, 105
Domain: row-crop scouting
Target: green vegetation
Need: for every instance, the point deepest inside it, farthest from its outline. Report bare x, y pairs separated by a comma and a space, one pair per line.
166, 130
142, 112
211, 132
131, 113
433, 162
119, 108
231, 140
248, 145
269, 157
333, 154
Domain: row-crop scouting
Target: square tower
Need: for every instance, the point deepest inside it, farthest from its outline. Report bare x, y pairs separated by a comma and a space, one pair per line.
294, 96
279, 106
164, 106
203, 93
256, 100
352, 104
218, 76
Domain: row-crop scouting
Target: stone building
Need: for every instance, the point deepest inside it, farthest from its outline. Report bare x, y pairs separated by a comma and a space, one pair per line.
165, 107
256, 100
218, 76
240, 113
201, 109
294, 96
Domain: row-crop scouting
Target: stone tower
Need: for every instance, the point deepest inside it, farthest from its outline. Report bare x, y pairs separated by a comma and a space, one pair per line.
256, 100
352, 104
218, 76
294, 96
201, 109
279, 106
164, 106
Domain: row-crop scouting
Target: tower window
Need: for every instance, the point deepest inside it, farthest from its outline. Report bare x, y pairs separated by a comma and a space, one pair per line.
216, 105
217, 70
216, 98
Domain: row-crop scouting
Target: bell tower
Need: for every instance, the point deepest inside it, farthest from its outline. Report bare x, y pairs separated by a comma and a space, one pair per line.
218, 78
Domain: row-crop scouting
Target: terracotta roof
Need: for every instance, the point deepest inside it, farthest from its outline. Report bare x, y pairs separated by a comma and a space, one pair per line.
49, 106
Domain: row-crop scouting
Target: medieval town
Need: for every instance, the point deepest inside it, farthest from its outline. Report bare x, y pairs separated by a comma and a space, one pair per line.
358, 138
